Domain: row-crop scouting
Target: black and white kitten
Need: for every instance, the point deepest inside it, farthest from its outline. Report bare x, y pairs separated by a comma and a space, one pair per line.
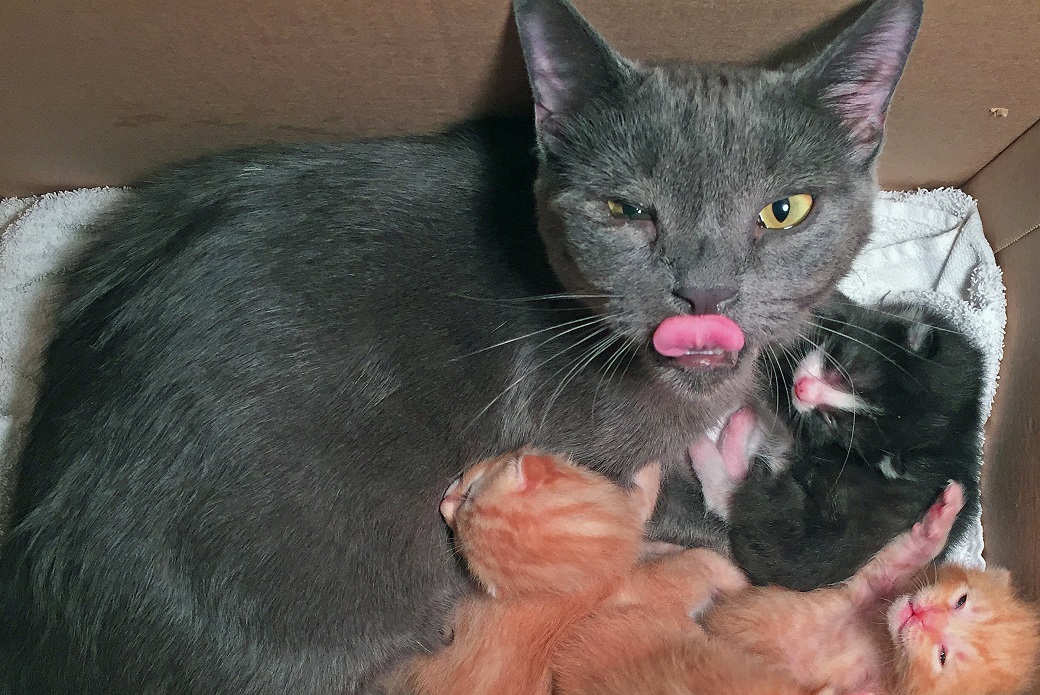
273, 361
878, 408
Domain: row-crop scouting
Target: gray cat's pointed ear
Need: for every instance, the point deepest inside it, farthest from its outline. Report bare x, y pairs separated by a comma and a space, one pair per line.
858, 72
568, 63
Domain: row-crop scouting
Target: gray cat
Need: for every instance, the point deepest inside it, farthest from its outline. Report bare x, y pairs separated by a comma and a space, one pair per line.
273, 361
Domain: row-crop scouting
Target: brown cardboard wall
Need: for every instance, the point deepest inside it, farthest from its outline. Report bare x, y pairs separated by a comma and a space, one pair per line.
1008, 190
97, 93
1011, 475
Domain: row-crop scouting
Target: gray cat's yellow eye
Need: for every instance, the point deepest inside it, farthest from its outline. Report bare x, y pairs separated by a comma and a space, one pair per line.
786, 212
624, 210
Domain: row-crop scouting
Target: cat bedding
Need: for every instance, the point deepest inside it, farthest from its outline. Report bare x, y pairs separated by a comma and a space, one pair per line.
927, 246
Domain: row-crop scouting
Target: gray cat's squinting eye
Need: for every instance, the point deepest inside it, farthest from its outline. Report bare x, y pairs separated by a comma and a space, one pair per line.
624, 210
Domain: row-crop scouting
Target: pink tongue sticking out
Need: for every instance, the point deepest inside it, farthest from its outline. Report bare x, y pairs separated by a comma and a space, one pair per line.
699, 342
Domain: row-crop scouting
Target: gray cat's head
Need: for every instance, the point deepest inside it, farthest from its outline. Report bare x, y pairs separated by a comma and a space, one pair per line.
674, 190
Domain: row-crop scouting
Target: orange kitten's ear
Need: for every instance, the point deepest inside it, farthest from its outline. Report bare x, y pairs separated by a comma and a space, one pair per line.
534, 468
1000, 575
646, 483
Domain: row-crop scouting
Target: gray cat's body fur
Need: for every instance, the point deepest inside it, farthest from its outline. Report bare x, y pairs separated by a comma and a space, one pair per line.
273, 362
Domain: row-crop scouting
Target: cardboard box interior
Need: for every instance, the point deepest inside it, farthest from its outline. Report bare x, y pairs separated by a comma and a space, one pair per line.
100, 93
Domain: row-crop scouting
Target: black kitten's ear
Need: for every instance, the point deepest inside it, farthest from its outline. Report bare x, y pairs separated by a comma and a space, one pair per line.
568, 63
857, 74
923, 339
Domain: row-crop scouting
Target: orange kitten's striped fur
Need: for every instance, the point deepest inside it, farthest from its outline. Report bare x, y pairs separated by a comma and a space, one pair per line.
558, 550
548, 541
892, 629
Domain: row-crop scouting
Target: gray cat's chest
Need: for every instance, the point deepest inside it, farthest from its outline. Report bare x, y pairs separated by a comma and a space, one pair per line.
613, 425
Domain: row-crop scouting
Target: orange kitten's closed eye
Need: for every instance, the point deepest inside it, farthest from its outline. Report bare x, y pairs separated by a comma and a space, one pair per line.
966, 634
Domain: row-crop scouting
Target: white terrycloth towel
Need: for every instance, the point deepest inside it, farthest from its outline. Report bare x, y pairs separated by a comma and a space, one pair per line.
39, 236
927, 246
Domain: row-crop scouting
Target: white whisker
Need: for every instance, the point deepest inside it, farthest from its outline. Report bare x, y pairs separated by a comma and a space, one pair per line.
577, 366
578, 323
535, 368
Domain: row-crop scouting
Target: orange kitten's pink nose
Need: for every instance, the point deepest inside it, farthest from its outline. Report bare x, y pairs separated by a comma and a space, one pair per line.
922, 616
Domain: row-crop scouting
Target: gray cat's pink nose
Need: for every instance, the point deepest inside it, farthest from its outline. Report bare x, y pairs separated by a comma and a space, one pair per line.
706, 300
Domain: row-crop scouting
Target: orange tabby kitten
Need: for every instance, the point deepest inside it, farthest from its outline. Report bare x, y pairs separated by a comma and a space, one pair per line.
557, 548
548, 541
953, 631
643, 639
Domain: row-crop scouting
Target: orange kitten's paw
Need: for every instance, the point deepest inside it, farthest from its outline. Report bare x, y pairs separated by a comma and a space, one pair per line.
681, 584
705, 574
910, 551
725, 575
929, 535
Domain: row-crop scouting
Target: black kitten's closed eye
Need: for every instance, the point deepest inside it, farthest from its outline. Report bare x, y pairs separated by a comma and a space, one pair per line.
623, 210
